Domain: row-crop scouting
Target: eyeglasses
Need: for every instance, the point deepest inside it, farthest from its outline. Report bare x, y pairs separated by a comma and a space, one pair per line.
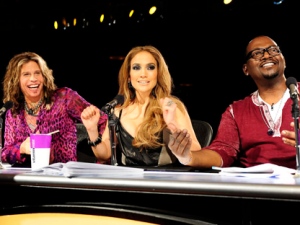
257, 54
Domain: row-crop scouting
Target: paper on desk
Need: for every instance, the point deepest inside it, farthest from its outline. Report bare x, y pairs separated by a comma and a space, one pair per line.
262, 170
84, 169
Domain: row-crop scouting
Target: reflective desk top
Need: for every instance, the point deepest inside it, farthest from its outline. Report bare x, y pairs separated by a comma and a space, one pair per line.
190, 183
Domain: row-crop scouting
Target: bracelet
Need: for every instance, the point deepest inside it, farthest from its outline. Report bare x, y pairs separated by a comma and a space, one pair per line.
94, 143
188, 161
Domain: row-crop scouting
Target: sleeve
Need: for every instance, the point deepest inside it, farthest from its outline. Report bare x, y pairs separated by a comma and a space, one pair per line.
76, 104
226, 142
11, 150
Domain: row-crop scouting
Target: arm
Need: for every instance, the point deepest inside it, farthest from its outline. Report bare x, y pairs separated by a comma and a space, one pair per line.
76, 104
183, 141
12, 142
223, 149
90, 117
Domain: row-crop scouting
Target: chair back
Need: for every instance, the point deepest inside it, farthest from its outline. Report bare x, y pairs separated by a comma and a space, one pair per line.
204, 132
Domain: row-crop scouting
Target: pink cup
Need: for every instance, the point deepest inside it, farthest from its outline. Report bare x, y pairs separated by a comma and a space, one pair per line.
40, 145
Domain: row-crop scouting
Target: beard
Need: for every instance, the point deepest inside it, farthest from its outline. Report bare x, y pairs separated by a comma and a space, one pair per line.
270, 76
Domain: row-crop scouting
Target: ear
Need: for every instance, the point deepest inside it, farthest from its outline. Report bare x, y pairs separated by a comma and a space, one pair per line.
245, 69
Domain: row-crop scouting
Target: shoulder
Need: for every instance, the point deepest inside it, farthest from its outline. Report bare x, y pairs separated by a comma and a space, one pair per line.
65, 91
244, 100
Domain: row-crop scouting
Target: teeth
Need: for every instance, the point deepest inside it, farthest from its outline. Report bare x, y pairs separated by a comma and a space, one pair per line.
33, 86
268, 64
144, 82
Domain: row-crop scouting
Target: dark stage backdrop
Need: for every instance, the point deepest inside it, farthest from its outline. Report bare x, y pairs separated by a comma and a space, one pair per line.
203, 44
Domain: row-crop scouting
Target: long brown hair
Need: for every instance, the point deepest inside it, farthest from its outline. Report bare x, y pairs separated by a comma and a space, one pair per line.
11, 83
148, 132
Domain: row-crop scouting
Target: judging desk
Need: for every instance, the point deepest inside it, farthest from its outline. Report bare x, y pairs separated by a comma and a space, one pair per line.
160, 197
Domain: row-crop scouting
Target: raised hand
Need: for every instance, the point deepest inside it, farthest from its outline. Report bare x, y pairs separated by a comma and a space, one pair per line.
90, 117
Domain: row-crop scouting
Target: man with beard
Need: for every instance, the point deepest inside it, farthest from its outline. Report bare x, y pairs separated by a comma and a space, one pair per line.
259, 128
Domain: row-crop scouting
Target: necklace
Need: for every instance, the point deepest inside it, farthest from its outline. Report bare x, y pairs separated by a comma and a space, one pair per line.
272, 121
31, 121
33, 111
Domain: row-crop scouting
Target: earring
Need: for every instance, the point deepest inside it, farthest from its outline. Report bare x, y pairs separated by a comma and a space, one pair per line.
153, 92
130, 85
131, 90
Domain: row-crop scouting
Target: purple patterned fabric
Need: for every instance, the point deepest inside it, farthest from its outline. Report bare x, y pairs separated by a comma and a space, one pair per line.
63, 116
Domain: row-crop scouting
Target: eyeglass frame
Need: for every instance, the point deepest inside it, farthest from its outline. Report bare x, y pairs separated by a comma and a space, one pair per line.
249, 55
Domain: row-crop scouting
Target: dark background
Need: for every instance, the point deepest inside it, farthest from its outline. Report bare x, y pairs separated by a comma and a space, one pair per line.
203, 43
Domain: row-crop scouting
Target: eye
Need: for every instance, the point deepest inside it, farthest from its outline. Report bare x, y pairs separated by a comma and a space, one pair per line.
151, 67
257, 53
136, 67
275, 50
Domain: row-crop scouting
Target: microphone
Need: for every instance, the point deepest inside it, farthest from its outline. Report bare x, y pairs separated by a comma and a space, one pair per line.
7, 105
292, 84
118, 100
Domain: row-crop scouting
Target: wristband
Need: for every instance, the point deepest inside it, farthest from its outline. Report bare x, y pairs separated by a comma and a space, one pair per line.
94, 143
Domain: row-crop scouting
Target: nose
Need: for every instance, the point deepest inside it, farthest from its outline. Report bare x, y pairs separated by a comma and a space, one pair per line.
33, 77
266, 51
267, 56
143, 72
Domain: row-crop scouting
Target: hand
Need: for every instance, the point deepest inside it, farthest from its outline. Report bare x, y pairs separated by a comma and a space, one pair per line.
180, 145
90, 117
25, 147
288, 136
169, 108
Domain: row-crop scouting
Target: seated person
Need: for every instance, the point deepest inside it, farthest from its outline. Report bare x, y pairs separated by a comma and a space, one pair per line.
39, 107
153, 127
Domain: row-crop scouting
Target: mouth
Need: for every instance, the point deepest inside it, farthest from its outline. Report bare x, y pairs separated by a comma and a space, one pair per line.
33, 87
268, 64
143, 82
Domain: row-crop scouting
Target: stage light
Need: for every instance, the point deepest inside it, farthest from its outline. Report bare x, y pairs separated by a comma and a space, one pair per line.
277, 2
131, 13
64, 22
152, 10
55, 25
226, 2
101, 18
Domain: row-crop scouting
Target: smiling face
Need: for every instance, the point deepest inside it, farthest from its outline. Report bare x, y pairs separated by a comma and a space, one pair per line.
270, 65
31, 82
143, 73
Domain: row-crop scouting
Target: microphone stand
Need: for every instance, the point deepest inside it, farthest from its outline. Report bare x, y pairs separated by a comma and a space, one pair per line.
112, 135
1, 143
295, 115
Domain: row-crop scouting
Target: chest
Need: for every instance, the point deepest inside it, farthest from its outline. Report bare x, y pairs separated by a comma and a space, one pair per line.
131, 121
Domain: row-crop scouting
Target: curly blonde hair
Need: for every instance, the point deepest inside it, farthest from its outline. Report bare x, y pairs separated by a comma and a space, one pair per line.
11, 82
148, 133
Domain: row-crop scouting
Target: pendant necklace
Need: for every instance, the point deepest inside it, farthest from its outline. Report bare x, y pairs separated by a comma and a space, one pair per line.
33, 111
272, 121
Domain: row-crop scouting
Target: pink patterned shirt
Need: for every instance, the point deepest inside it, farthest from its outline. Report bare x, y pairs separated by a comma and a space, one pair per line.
63, 116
